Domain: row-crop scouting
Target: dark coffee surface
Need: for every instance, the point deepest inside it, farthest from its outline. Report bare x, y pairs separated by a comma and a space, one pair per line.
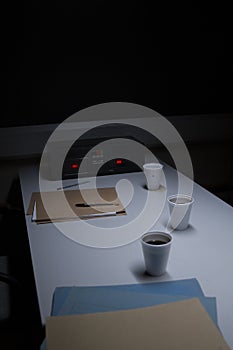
156, 242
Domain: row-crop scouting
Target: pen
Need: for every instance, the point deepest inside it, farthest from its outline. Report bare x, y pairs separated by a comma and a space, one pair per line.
60, 188
84, 205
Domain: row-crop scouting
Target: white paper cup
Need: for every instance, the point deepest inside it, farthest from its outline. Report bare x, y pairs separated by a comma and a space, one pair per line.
180, 206
156, 247
153, 173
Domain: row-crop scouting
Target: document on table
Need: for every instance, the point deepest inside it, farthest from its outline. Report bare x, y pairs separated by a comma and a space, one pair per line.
62, 295
80, 300
87, 216
107, 203
173, 326
99, 299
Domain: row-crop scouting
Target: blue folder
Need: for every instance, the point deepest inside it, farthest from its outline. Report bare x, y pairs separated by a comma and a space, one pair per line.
81, 300
186, 287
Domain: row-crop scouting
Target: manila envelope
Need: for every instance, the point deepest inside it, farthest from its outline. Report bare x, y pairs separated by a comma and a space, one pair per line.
74, 207
180, 325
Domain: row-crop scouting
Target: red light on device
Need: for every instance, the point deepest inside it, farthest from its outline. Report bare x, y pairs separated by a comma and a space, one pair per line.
119, 161
74, 166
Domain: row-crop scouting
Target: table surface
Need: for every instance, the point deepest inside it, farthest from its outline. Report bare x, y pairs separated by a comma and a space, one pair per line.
204, 251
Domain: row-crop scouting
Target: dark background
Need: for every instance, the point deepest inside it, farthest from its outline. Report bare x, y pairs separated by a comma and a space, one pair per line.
60, 57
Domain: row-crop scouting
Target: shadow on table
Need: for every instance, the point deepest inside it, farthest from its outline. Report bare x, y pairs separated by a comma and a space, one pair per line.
142, 276
191, 230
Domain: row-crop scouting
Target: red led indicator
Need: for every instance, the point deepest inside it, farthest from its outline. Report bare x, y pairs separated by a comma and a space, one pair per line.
74, 166
119, 161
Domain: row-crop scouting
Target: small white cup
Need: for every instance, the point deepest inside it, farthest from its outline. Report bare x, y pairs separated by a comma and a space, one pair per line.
153, 173
156, 247
180, 206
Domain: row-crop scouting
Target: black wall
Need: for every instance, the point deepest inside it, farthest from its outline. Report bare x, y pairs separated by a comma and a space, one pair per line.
62, 56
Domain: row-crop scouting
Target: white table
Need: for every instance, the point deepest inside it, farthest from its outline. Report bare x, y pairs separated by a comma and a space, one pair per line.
203, 251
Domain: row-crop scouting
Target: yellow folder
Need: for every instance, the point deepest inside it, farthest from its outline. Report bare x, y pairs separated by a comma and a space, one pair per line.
77, 205
175, 326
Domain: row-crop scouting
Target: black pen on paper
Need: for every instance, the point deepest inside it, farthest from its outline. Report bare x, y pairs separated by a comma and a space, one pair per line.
86, 205
68, 186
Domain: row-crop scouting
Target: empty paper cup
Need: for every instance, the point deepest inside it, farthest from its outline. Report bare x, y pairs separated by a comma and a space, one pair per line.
180, 206
156, 247
153, 173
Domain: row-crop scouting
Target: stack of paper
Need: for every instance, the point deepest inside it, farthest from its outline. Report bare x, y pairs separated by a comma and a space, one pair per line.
76, 205
170, 315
